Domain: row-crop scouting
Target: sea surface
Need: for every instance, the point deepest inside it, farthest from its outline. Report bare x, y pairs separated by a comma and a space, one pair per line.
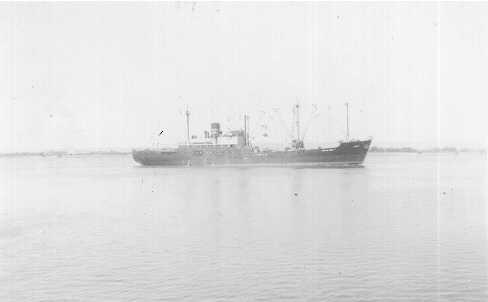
406, 227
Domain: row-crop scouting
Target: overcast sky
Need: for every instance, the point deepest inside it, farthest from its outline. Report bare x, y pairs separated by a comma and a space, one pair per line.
113, 75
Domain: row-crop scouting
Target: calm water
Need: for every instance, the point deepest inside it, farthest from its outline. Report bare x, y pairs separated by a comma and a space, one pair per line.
406, 227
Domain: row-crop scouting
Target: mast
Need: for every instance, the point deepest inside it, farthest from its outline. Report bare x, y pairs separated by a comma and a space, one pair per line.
245, 130
187, 113
246, 119
347, 121
297, 112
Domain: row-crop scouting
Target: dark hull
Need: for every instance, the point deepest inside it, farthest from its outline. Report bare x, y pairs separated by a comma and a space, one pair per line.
350, 153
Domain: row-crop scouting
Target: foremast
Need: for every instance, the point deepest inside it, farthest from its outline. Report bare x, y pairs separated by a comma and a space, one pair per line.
297, 143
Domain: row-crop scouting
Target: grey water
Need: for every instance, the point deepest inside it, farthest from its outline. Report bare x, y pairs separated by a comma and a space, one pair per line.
406, 227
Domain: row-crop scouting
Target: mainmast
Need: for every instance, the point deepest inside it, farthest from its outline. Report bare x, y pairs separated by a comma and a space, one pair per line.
245, 130
297, 112
187, 113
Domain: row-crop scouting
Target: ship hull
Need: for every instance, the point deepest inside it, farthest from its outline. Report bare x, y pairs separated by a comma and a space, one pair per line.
347, 154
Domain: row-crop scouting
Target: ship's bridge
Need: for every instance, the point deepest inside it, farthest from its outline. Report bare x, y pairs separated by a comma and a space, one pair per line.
227, 140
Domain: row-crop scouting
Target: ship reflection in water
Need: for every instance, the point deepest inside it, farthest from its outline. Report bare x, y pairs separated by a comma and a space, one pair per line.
407, 227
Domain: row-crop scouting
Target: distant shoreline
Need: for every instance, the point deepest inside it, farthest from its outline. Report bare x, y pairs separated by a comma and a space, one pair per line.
63, 153
373, 149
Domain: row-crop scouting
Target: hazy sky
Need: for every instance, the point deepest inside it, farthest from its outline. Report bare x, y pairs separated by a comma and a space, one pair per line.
113, 75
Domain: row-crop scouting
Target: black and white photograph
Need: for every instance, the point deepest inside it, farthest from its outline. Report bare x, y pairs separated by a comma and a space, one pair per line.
243, 151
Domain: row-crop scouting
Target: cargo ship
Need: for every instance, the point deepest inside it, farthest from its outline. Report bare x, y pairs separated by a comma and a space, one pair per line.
234, 148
